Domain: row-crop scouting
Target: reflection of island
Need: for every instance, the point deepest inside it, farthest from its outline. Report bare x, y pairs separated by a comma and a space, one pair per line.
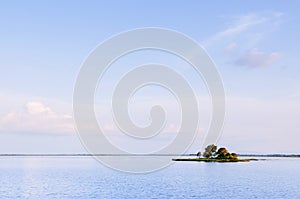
213, 154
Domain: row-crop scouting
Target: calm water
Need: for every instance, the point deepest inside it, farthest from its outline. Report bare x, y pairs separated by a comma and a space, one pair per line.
83, 177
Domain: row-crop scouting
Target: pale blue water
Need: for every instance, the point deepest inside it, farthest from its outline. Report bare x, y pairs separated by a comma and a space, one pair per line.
83, 177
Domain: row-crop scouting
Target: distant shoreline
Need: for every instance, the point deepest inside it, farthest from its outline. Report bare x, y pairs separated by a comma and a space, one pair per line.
271, 155
184, 155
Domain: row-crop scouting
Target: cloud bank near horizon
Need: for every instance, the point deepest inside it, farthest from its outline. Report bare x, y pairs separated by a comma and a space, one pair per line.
35, 117
252, 125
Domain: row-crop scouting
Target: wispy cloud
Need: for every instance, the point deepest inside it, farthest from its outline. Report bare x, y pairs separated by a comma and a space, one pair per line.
243, 36
230, 47
241, 24
255, 58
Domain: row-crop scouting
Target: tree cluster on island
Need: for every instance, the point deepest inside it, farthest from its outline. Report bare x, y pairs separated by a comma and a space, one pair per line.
212, 152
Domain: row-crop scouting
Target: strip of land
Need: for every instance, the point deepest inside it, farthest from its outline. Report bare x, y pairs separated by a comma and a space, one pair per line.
214, 160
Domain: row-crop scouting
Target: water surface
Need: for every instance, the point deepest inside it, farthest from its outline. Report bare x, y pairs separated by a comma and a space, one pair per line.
84, 177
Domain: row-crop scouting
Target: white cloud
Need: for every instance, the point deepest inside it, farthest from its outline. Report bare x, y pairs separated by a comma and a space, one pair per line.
37, 108
240, 24
255, 58
35, 117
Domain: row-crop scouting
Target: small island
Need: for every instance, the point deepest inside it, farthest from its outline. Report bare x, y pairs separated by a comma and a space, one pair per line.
213, 154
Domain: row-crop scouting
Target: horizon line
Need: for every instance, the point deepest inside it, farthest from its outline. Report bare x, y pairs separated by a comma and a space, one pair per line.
103, 154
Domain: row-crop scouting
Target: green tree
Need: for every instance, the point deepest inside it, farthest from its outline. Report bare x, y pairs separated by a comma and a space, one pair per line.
199, 154
222, 156
207, 154
234, 155
210, 150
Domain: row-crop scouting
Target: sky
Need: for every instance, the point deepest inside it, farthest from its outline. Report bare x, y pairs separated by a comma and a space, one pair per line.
254, 44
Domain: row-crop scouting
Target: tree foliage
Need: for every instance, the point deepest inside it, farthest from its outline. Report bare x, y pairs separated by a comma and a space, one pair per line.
211, 148
222, 150
212, 151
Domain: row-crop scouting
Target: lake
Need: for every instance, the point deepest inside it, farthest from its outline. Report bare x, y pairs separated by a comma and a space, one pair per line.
84, 177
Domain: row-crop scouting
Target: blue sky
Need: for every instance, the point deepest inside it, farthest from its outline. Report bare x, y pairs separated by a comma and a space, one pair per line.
255, 46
